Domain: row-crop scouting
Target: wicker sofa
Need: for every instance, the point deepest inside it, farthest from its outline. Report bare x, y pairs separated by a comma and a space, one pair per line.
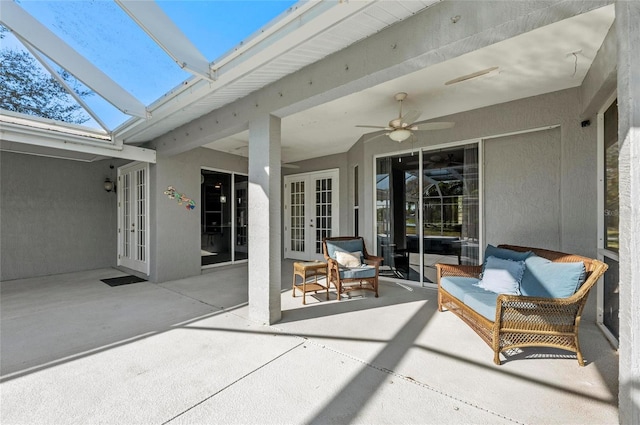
519, 320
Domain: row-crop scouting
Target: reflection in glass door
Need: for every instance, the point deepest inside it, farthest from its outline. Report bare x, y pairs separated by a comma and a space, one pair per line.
241, 247
224, 217
427, 211
608, 289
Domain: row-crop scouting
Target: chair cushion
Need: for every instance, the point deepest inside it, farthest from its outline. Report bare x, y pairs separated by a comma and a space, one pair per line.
348, 245
483, 303
361, 272
349, 259
544, 278
502, 276
458, 286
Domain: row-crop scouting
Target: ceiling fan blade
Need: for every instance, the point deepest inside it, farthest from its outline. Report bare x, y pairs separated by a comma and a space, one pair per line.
433, 125
411, 116
376, 136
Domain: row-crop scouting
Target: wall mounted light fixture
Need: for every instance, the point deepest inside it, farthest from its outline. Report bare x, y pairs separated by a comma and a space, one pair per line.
109, 186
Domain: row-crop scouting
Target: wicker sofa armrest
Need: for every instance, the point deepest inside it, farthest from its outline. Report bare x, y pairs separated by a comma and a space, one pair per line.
536, 313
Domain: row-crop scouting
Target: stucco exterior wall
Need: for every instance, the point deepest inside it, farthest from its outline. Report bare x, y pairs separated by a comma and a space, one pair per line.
522, 178
175, 231
55, 216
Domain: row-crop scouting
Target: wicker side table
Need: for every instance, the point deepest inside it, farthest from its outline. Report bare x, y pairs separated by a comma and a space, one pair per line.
306, 270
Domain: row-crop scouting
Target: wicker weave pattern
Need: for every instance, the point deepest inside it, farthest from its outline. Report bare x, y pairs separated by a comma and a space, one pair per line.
345, 285
526, 321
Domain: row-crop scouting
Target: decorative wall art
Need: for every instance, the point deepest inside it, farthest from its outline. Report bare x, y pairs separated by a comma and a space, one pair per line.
180, 198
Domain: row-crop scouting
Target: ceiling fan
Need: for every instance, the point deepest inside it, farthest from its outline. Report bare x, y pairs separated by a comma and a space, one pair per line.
401, 128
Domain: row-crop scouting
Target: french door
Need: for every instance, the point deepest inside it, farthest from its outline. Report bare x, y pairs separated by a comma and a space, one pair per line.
133, 213
311, 213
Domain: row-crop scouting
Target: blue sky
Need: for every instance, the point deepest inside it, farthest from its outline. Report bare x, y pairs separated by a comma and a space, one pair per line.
104, 34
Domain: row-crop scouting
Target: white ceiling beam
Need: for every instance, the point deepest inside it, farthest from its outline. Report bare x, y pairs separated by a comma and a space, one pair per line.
17, 128
52, 46
152, 19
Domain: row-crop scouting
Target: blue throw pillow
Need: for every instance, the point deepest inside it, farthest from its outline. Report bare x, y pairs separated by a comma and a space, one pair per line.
544, 278
505, 254
502, 276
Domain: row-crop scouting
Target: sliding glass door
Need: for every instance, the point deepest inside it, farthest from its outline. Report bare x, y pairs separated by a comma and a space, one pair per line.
609, 232
427, 211
224, 217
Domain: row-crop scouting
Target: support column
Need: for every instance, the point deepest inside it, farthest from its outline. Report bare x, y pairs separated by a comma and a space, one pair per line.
628, 34
265, 233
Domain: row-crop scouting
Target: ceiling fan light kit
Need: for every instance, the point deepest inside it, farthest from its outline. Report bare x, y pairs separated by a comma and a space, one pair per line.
399, 135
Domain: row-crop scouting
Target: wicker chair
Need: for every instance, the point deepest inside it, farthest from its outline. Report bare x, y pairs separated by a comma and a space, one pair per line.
350, 279
523, 321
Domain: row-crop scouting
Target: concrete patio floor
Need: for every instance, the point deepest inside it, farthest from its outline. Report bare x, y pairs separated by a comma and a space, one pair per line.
77, 351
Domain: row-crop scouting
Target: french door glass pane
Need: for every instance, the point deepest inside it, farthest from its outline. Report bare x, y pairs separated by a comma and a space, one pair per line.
297, 217
323, 211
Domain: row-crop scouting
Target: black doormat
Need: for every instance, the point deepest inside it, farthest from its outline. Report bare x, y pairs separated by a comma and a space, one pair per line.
123, 280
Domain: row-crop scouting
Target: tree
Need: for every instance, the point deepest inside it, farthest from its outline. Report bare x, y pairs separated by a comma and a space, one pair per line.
27, 88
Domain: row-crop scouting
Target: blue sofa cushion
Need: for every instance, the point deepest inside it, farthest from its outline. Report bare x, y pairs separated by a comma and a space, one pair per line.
502, 276
544, 278
350, 245
458, 286
362, 272
483, 303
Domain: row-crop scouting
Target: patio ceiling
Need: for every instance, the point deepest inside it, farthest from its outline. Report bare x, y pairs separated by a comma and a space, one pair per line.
548, 59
